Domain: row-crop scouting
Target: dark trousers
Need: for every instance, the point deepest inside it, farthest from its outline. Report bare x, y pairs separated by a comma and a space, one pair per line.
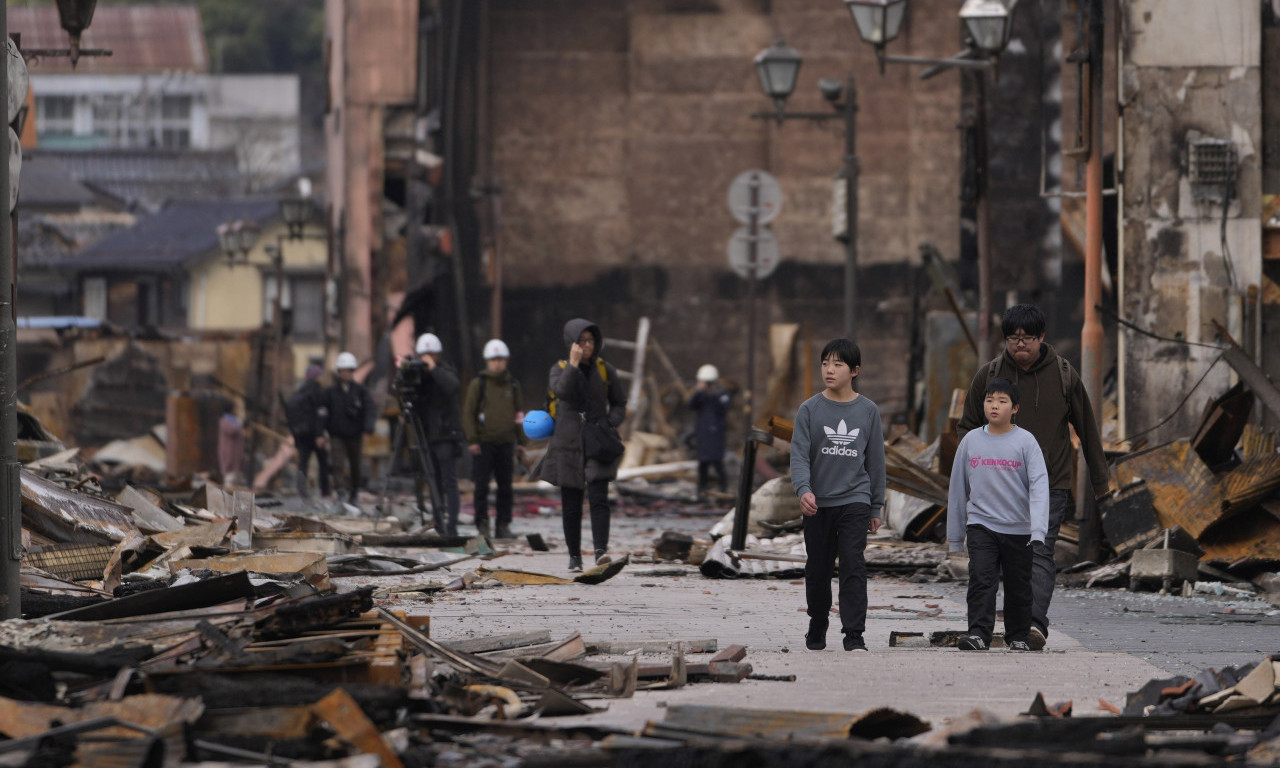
704, 474
351, 451
1043, 570
307, 446
837, 532
444, 458
993, 557
597, 494
495, 460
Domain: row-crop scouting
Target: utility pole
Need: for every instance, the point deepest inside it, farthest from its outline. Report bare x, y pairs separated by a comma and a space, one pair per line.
10, 469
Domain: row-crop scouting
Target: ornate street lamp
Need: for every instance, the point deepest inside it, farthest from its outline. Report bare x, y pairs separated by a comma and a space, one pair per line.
296, 212
878, 21
988, 22
778, 68
236, 239
75, 15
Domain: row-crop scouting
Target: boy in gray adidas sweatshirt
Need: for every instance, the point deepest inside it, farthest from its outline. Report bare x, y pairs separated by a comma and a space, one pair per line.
999, 503
837, 468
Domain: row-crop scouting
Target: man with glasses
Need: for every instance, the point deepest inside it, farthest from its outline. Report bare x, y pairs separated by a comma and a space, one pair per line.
1053, 399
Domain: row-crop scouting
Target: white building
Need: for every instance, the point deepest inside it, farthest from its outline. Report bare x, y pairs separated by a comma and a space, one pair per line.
257, 115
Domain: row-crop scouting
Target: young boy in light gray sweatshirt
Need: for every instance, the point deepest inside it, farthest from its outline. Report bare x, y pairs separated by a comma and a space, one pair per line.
837, 468
999, 502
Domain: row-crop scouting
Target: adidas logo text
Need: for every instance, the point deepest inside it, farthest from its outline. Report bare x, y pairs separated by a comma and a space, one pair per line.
841, 451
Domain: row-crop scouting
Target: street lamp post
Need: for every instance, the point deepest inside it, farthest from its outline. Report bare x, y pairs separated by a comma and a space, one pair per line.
988, 24
778, 68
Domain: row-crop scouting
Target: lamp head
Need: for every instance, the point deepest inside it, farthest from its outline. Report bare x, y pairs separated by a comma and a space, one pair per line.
988, 23
778, 67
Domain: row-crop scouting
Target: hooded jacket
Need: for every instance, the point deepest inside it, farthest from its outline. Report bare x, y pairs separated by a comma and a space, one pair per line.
581, 396
1046, 414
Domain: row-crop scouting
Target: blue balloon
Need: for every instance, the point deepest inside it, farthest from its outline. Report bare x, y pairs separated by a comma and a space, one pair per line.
538, 425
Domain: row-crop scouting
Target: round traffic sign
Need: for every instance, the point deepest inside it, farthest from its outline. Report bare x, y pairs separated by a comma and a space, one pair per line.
769, 202
768, 253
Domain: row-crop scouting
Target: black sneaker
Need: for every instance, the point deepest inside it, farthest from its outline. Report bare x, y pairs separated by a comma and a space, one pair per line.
575, 563
972, 643
504, 532
482, 527
854, 642
1036, 639
816, 638
1019, 645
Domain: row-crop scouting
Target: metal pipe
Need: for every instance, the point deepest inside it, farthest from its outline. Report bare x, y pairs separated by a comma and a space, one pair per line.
1091, 338
983, 214
10, 479
851, 205
753, 244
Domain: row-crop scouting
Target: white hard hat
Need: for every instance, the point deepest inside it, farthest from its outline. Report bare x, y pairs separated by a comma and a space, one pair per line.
708, 373
347, 362
496, 348
428, 344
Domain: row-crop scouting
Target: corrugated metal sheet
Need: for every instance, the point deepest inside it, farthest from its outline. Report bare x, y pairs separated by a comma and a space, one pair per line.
1185, 492
1254, 535
143, 39
70, 516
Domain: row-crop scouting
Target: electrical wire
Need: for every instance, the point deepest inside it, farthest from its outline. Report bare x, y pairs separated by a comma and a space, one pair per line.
1130, 438
1152, 334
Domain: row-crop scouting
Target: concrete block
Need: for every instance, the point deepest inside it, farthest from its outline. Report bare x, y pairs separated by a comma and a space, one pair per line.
1168, 566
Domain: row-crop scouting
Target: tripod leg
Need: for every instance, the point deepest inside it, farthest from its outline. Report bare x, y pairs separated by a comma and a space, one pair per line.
397, 444
438, 510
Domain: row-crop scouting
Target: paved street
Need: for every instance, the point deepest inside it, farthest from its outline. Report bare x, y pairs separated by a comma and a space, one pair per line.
1105, 643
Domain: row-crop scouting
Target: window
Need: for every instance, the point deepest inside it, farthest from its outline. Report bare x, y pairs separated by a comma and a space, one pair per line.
303, 305
175, 122
95, 298
175, 138
56, 115
175, 108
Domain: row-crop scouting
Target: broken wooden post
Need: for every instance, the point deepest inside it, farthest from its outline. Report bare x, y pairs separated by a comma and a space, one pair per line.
1254, 377
746, 479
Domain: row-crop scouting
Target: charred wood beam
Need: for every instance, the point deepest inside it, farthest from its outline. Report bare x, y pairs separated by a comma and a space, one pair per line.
315, 613
104, 662
205, 594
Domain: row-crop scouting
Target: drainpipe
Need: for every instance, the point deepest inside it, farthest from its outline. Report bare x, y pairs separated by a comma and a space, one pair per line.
1091, 339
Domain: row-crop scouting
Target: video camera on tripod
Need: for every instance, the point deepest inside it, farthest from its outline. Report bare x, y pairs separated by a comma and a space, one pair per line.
409, 380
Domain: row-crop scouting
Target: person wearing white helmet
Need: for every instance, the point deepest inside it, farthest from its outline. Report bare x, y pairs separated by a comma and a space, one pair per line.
352, 415
435, 399
711, 402
491, 416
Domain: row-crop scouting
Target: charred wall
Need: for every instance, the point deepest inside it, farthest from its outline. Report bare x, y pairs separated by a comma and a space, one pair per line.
1189, 257
616, 129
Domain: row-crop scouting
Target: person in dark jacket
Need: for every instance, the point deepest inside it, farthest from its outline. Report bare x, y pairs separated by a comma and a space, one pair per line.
588, 395
352, 415
490, 414
1054, 401
435, 400
307, 411
711, 402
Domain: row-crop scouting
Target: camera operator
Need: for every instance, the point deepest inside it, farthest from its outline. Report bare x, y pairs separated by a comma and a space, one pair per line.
433, 386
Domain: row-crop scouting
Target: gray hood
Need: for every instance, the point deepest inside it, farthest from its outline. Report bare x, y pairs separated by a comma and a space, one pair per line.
574, 328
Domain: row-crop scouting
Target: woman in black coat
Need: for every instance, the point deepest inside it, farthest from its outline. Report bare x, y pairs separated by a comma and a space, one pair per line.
588, 397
